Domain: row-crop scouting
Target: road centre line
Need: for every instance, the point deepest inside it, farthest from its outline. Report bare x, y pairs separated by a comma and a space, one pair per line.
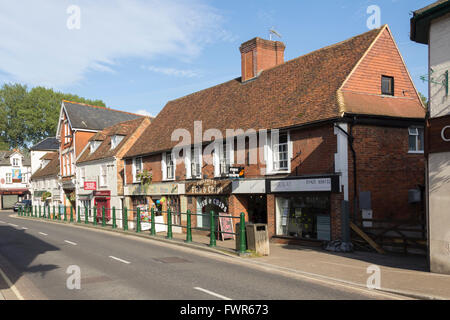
212, 293
70, 242
12, 224
44, 234
118, 259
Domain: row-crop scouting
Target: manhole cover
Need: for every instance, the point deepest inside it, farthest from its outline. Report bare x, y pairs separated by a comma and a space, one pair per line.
171, 260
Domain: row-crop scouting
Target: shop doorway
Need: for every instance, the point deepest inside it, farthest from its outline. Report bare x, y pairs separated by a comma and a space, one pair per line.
101, 203
257, 208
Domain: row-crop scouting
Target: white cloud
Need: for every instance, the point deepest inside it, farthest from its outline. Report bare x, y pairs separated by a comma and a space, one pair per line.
38, 48
143, 112
173, 71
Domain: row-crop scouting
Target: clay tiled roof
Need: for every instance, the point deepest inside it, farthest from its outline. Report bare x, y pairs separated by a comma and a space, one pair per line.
104, 151
51, 169
299, 91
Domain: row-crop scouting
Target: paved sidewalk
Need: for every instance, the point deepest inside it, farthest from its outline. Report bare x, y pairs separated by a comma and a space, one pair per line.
400, 274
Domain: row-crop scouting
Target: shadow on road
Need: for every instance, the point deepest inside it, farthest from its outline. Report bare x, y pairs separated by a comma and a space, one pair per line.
18, 249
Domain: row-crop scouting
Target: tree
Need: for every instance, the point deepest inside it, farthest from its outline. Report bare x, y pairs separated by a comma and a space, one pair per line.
28, 116
424, 100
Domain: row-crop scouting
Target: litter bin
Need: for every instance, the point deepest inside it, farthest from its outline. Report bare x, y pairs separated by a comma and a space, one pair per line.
258, 238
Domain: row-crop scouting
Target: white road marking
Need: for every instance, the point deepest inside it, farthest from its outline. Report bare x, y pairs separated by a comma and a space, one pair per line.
44, 234
11, 285
2, 221
118, 259
12, 224
70, 242
212, 293
24, 228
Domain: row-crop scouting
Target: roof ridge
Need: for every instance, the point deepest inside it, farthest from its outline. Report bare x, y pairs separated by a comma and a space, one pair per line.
101, 107
284, 63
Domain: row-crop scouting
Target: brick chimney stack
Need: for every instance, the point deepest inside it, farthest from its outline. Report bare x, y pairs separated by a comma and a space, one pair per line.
259, 54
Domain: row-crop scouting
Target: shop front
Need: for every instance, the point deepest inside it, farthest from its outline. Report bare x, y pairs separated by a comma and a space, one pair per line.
206, 196
303, 207
252, 194
10, 196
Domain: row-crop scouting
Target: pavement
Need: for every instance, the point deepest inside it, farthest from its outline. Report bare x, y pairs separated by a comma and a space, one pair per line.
401, 276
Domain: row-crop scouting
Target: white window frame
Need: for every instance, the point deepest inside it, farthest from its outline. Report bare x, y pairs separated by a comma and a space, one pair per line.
103, 175
8, 178
271, 157
16, 162
167, 166
134, 169
93, 145
116, 140
414, 131
82, 177
194, 160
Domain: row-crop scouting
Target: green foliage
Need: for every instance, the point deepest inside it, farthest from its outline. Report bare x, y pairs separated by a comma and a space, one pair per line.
424, 100
146, 179
28, 116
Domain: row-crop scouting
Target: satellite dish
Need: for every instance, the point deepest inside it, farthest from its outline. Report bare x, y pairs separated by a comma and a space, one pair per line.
273, 32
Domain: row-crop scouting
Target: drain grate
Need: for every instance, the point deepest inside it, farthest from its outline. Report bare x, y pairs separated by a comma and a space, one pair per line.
171, 260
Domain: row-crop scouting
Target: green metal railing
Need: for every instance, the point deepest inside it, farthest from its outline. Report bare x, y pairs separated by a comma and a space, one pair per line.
120, 219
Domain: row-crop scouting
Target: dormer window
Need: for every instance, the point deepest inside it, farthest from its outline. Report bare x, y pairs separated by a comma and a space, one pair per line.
115, 140
94, 145
387, 85
44, 163
15, 162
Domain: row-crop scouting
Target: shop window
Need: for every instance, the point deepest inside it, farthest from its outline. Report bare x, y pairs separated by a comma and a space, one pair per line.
281, 153
416, 140
303, 216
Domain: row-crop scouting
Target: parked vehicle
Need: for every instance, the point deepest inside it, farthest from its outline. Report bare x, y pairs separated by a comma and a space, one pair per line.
22, 203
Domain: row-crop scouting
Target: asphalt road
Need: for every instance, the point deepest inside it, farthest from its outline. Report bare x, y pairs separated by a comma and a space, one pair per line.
115, 266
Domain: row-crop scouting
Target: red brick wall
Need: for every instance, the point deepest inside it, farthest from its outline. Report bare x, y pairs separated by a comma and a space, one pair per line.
385, 168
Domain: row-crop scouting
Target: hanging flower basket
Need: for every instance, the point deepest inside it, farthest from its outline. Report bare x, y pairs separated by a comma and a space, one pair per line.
46, 195
146, 179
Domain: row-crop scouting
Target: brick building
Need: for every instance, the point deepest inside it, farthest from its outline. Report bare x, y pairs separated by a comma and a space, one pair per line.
343, 123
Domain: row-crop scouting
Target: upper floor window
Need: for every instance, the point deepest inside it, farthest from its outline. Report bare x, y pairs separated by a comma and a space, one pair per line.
103, 174
16, 162
137, 169
115, 140
82, 176
224, 160
8, 177
196, 171
387, 85
24, 177
170, 167
281, 153
416, 139
94, 145
66, 132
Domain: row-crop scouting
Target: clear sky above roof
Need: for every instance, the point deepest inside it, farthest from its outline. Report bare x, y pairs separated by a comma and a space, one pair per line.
136, 55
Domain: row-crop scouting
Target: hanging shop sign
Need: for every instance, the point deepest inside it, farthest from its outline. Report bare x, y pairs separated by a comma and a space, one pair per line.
236, 172
208, 186
90, 185
301, 185
16, 175
437, 135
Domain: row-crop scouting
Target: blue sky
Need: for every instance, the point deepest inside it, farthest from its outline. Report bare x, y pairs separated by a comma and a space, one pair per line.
137, 55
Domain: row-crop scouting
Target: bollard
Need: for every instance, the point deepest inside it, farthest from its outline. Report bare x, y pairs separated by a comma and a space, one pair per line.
188, 227
152, 229
103, 217
39, 211
65, 213
138, 220
114, 225
79, 215
71, 214
86, 216
242, 240
169, 224
212, 233
125, 219
95, 216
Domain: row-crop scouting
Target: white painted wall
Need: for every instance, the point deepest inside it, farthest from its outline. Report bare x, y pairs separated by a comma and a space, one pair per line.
439, 164
25, 170
36, 160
